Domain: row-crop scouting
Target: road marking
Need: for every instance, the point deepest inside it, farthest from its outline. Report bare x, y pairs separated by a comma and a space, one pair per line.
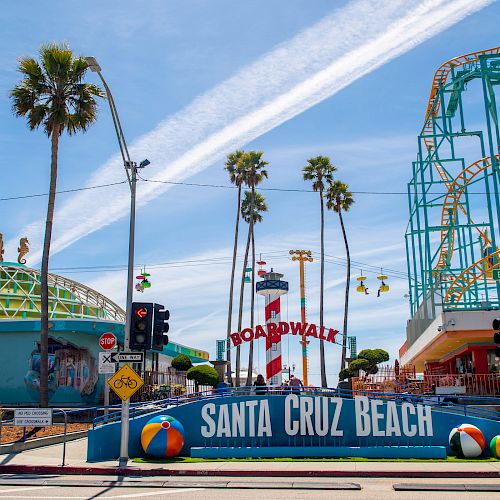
164, 491
25, 489
159, 492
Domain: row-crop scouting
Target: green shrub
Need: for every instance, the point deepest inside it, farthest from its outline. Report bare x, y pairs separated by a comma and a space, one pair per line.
203, 375
182, 362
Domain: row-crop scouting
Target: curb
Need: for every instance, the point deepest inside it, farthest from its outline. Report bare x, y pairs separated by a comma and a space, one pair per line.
133, 471
17, 447
225, 484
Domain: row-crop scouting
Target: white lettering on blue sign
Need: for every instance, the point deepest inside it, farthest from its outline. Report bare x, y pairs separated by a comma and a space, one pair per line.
316, 416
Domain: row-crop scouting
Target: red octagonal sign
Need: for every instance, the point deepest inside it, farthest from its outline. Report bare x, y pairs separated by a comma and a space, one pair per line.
107, 341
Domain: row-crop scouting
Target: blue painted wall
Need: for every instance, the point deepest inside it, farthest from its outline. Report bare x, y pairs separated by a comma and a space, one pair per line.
104, 441
73, 371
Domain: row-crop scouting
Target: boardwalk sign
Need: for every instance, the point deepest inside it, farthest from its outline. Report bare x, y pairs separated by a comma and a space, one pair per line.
284, 328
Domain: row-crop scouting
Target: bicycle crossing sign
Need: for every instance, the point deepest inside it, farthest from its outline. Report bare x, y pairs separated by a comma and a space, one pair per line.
125, 382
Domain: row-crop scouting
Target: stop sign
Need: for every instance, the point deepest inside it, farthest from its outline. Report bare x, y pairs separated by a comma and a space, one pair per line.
107, 341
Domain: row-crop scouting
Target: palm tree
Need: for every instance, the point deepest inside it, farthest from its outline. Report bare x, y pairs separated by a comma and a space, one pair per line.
256, 204
236, 178
52, 94
320, 170
338, 199
252, 166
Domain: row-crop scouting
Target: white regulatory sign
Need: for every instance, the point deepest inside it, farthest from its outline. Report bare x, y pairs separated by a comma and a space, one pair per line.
106, 365
32, 417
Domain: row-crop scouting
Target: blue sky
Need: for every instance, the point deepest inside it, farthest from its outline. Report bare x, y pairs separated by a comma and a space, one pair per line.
170, 67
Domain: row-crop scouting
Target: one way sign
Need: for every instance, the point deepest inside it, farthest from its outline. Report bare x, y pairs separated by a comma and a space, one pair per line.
127, 357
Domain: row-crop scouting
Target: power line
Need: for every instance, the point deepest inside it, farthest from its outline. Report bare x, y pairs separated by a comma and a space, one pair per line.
222, 186
39, 195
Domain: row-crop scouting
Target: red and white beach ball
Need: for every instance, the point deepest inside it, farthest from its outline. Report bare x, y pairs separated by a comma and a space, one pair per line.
467, 441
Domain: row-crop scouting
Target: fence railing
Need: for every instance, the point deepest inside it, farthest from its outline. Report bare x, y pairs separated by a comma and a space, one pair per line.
464, 406
468, 384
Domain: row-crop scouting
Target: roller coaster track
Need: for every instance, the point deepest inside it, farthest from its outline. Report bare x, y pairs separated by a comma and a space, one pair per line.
468, 276
450, 205
456, 186
440, 78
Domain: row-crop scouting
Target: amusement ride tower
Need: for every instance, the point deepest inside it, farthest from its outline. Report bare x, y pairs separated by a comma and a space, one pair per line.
273, 288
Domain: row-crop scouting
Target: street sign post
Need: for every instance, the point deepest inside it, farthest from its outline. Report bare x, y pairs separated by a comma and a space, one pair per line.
106, 364
127, 357
32, 417
107, 341
125, 382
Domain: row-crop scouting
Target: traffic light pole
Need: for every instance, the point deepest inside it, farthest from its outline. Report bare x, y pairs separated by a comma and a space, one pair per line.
132, 178
130, 290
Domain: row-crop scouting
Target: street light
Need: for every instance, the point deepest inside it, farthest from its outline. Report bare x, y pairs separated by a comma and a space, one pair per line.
132, 180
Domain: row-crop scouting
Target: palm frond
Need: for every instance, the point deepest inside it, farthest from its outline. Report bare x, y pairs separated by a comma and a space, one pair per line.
52, 92
338, 196
259, 206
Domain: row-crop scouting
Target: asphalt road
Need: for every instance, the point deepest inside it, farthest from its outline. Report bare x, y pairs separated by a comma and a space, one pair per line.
372, 489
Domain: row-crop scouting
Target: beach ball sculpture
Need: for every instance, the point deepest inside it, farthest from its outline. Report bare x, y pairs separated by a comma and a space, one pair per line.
162, 437
495, 447
467, 441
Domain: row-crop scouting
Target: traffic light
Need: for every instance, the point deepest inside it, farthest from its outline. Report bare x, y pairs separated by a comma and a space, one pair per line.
141, 323
496, 336
160, 327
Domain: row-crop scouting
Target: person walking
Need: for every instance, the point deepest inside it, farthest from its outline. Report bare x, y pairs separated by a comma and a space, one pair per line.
260, 385
295, 384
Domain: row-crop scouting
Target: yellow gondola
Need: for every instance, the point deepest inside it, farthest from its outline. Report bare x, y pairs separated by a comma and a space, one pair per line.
383, 288
361, 288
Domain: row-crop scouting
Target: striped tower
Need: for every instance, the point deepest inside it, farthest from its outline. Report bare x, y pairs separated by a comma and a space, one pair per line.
272, 288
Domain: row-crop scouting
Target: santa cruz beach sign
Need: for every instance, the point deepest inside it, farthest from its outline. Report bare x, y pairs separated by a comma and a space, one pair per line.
303, 424
283, 328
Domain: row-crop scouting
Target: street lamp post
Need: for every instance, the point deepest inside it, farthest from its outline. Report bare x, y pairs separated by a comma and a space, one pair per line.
131, 166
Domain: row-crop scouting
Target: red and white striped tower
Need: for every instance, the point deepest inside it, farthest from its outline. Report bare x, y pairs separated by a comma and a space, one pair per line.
272, 288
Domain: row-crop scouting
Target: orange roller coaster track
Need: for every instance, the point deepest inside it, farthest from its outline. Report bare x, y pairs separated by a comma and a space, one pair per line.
469, 276
440, 78
450, 205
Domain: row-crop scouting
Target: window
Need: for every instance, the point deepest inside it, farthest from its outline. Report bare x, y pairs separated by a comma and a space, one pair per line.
274, 346
493, 362
273, 314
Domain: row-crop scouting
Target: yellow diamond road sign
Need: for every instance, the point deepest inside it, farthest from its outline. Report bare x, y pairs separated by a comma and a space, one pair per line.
125, 382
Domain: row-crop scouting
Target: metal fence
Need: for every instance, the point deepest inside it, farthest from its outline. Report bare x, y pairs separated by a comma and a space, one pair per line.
467, 383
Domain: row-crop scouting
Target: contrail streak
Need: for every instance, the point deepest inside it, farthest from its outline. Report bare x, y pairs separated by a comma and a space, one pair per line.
296, 75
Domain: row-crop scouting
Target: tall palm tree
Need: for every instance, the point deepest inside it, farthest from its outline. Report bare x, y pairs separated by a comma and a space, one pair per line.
256, 204
339, 199
236, 178
52, 95
320, 170
253, 171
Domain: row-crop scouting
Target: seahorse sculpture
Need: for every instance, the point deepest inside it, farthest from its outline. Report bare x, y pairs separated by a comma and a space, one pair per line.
1, 247
23, 250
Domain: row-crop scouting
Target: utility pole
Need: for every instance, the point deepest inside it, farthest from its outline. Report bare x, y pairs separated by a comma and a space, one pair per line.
131, 171
303, 256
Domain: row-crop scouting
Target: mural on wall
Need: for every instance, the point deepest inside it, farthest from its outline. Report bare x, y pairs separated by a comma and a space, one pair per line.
72, 369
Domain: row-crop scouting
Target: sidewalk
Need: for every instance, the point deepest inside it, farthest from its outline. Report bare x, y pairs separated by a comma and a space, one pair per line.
47, 460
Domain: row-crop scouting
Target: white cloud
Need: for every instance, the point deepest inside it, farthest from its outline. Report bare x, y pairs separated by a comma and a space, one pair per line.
346, 45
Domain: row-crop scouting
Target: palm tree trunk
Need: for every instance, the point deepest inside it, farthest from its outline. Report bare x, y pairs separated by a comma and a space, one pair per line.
231, 289
252, 306
321, 292
346, 300
240, 311
44, 312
